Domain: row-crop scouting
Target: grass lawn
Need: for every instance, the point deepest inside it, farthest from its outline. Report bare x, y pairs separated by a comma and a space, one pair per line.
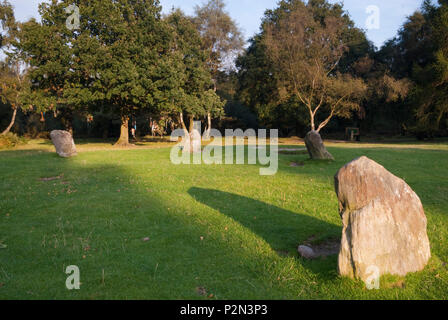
215, 232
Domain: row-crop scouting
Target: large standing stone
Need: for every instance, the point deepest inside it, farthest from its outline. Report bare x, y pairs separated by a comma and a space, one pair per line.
315, 146
63, 142
384, 222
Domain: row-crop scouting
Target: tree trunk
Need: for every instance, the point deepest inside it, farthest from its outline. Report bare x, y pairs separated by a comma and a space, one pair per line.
124, 132
313, 126
12, 122
209, 116
151, 127
209, 127
191, 125
186, 140
192, 140
195, 138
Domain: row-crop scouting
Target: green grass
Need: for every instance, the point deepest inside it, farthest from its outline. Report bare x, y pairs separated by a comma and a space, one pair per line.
214, 230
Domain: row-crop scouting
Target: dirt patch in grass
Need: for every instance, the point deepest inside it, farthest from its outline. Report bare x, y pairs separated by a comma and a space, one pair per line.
324, 248
327, 248
52, 178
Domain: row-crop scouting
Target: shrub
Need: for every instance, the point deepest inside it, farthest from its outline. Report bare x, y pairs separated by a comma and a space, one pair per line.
10, 140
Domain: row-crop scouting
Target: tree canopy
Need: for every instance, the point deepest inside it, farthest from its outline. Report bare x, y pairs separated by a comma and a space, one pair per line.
299, 52
124, 57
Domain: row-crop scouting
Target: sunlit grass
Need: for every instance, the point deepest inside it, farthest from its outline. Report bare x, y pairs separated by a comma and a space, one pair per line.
215, 232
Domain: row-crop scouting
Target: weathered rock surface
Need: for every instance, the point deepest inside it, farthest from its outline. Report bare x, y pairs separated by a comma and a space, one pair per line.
315, 146
64, 144
384, 225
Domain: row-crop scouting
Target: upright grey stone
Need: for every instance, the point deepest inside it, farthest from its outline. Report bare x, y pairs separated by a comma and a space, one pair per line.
315, 147
63, 142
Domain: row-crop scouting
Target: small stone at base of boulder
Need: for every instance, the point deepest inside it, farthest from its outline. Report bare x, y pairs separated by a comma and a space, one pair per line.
63, 142
306, 252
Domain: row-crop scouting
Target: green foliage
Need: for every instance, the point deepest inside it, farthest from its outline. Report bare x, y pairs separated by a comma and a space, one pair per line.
124, 59
192, 95
256, 78
220, 35
431, 93
420, 52
282, 67
7, 23
10, 140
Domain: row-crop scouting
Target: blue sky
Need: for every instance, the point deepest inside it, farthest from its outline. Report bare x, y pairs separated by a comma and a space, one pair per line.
247, 13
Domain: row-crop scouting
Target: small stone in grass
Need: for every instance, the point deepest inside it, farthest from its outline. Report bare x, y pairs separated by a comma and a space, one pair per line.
146, 239
306, 252
201, 291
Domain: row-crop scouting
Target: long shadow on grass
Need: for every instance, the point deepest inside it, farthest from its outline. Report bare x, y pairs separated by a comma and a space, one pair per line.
284, 230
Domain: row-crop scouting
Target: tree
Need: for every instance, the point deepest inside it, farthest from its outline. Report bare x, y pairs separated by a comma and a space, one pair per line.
221, 38
48, 49
305, 50
136, 74
7, 22
192, 97
119, 59
13, 81
13, 87
256, 86
384, 108
431, 93
420, 53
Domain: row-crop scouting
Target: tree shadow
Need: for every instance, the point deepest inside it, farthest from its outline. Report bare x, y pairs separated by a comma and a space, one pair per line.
282, 229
